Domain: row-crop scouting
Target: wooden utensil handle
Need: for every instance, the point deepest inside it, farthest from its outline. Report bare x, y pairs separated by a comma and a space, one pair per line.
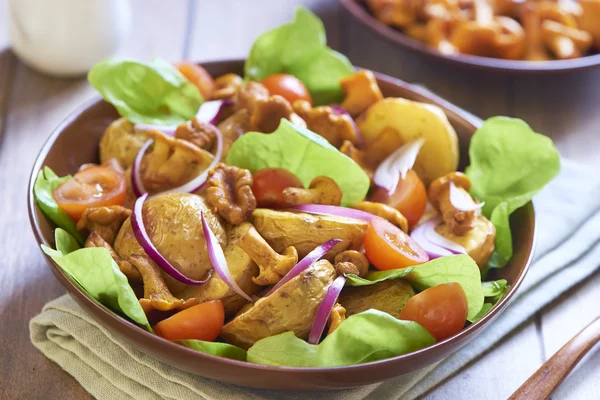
551, 374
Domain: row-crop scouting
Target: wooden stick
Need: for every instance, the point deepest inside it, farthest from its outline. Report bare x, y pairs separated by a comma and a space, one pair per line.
554, 371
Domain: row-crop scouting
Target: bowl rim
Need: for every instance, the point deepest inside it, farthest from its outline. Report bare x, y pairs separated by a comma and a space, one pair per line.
466, 60
134, 330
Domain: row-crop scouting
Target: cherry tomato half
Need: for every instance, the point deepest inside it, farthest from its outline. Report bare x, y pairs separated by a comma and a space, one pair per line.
441, 309
92, 186
387, 247
410, 197
269, 184
199, 77
287, 86
201, 322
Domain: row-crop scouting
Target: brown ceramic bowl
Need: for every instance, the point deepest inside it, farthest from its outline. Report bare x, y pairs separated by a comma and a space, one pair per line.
75, 142
357, 10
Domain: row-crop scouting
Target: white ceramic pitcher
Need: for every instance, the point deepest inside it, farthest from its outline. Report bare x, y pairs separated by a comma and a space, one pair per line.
67, 37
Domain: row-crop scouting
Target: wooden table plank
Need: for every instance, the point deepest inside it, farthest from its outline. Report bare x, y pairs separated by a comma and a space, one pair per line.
37, 104
226, 29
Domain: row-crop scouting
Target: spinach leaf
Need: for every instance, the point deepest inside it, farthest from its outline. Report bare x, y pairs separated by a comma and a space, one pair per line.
97, 273
494, 288
215, 349
301, 152
44, 185
151, 93
375, 277
299, 48
369, 336
510, 163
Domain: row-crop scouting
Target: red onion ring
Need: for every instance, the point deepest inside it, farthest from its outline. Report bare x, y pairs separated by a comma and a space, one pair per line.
432, 236
217, 258
462, 202
345, 212
306, 262
396, 165
139, 231
166, 129
136, 178
325, 308
432, 249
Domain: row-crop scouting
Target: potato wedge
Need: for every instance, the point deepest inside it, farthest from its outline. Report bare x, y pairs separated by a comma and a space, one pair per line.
412, 120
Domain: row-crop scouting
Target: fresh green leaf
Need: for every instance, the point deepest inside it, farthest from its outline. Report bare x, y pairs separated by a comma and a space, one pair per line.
301, 152
494, 288
460, 268
152, 93
375, 277
44, 185
97, 273
299, 48
484, 310
510, 163
369, 336
215, 349
65, 243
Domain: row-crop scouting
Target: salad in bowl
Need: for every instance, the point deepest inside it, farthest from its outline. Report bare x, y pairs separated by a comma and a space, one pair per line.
293, 216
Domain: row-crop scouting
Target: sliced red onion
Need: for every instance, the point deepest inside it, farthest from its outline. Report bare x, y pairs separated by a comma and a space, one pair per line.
139, 231
461, 201
306, 262
341, 111
136, 178
432, 249
210, 111
217, 258
192, 186
325, 308
396, 165
435, 238
345, 212
428, 214
166, 129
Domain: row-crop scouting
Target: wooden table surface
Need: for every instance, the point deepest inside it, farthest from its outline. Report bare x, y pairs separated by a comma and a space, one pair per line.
31, 105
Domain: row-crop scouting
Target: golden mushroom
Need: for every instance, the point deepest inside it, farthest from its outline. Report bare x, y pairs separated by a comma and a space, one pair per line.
458, 222
322, 190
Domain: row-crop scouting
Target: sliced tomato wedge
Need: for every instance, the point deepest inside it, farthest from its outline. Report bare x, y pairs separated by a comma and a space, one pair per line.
387, 247
92, 186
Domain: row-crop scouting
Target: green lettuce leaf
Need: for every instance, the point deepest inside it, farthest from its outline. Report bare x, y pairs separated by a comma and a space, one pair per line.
215, 349
44, 185
369, 336
299, 48
151, 93
97, 273
65, 243
301, 152
484, 310
460, 268
495, 288
510, 163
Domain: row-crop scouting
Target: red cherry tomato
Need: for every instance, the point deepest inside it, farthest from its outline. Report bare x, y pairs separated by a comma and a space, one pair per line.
93, 186
410, 197
269, 184
387, 247
441, 309
287, 86
199, 77
201, 322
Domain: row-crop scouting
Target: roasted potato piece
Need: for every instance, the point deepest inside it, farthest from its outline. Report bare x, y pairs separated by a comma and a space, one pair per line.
387, 296
242, 268
292, 307
174, 225
121, 141
282, 229
412, 120
478, 241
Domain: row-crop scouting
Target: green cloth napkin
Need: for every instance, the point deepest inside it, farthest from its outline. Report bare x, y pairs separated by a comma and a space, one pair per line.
568, 251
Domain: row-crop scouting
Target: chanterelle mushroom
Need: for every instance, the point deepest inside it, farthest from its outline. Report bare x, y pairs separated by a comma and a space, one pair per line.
322, 190
458, 222
105, 221
351, 262
336, 317
361, 92
325, 121
478, 242
200, 133
384, 211
273, 266
227, 85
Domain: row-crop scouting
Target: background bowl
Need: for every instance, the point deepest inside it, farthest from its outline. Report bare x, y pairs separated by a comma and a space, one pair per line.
357, 10
75, 142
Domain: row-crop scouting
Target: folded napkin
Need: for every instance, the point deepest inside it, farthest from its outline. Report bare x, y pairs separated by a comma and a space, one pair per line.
568, 250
